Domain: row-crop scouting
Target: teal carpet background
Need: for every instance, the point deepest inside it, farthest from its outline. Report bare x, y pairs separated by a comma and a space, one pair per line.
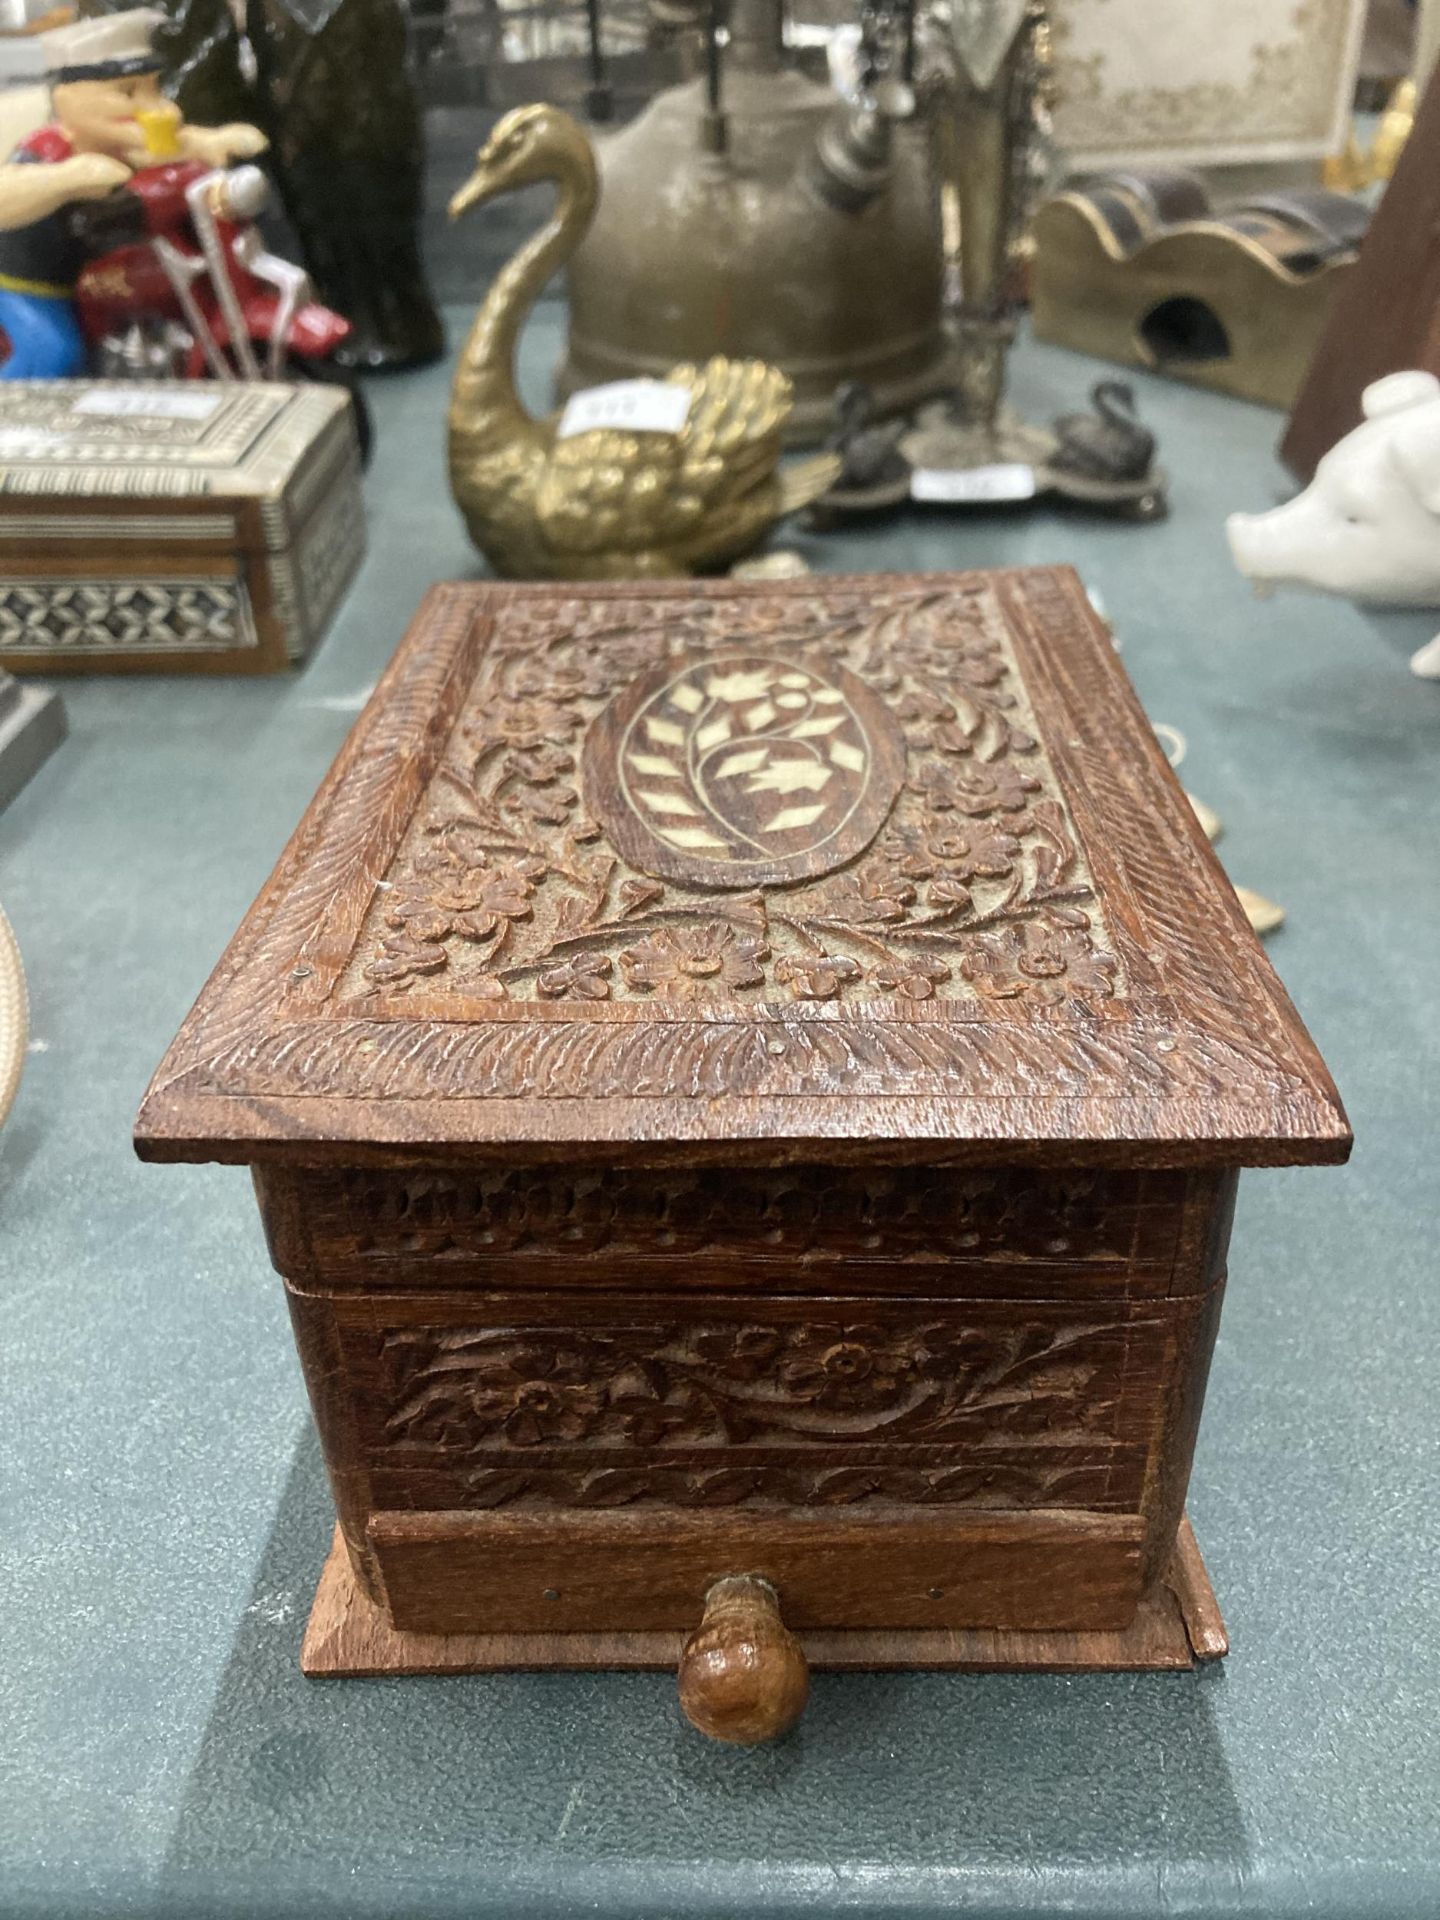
163, 1515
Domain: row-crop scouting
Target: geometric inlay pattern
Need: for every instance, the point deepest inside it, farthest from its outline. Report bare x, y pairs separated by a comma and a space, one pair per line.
104, 616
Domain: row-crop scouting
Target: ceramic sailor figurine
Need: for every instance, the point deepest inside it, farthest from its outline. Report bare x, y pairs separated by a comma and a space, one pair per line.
104, 84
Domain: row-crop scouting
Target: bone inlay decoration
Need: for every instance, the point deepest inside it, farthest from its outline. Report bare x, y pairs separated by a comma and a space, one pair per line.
744, 768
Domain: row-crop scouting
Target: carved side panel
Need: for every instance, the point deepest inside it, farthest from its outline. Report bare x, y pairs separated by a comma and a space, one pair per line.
816, 1228
482, 1402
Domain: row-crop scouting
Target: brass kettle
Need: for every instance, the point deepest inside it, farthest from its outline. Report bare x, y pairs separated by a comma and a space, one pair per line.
785, 228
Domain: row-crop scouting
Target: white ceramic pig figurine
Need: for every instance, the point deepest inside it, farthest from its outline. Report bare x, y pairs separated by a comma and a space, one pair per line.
1368, 525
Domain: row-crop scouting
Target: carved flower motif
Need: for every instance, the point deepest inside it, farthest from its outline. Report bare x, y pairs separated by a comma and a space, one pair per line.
1039, 960
585, 977
583, 678
978, 662
975, 789
915, 979
549, 804
869, 899
815, 976
904, 847
540, 763
472, 901
541, 1410
535, 1394
985, 850
936, 786
857, 1367
467, 900
686, 963
529, 724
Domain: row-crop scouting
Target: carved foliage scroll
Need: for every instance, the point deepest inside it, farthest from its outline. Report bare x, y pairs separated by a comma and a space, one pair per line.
925, 851
987, 1408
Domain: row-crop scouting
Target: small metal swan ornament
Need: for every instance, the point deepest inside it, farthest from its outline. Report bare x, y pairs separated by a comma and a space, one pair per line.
606, 504
874, 474
870, 450
1108, 444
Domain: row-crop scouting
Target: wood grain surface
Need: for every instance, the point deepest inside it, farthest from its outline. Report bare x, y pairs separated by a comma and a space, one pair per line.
743, 1676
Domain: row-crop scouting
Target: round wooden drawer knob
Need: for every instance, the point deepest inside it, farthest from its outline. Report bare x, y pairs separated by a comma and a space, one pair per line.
743, 1677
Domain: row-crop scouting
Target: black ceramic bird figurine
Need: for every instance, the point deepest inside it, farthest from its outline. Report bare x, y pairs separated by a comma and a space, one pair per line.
1108, 444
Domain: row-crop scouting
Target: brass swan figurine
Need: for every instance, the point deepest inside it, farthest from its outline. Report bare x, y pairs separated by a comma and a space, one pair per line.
606, 504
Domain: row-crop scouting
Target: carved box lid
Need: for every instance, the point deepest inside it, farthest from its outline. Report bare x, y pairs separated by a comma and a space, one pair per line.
882, 866
200, 462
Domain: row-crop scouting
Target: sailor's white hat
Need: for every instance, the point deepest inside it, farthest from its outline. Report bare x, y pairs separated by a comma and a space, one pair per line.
105, 48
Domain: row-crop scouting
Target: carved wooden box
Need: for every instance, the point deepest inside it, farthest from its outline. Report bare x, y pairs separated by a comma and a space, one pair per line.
747, 1084
173, 526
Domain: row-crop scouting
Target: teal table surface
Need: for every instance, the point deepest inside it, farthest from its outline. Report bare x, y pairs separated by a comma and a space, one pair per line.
165, 1514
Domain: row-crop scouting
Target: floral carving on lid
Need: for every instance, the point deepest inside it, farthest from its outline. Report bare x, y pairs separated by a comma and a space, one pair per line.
805, 801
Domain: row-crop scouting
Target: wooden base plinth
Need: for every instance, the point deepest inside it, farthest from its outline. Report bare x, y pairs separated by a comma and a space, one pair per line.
1177, 1624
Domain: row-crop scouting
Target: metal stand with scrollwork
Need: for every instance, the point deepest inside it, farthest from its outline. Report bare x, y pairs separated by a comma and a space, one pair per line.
984, 71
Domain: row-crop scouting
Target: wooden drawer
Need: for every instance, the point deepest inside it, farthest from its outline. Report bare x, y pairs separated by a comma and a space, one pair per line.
622, 1572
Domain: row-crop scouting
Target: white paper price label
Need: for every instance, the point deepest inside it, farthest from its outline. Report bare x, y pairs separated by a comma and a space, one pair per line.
973, 486
635, 406
149, 405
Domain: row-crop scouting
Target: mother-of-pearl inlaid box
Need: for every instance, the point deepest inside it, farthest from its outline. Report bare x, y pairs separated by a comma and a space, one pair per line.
174, 526
745, 1087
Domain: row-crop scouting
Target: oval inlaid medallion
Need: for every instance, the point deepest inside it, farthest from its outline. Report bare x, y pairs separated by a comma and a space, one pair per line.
742, 769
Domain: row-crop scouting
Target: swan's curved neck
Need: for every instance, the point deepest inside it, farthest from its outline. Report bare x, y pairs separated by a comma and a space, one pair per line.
485, 380
1111, 406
